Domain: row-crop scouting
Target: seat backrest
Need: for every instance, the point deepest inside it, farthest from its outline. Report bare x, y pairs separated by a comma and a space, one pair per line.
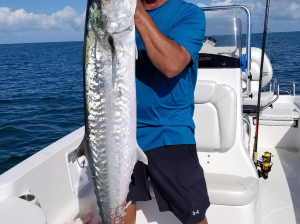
215, 116
218, 118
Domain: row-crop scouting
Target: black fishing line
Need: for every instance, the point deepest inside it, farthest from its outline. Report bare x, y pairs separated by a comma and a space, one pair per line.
260, 80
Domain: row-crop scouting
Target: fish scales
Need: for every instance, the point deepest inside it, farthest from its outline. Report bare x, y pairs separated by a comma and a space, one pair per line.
110, 103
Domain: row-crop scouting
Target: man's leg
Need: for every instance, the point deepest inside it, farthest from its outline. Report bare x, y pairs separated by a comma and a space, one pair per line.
138, 191
131, 215
203, 222
178, 182
177, 179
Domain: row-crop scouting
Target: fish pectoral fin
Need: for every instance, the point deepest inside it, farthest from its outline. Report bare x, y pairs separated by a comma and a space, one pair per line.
136, 52
80, 151
141, 156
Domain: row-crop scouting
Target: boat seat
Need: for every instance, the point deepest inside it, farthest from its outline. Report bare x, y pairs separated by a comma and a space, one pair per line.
269, 120
216, 115
18, 211
266, 97
250, 104
227, 190
231, 190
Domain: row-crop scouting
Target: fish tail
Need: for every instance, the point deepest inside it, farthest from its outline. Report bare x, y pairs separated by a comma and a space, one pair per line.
121, 212
80, 151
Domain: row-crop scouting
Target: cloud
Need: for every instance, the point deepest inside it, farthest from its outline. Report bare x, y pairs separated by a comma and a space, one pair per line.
202, 5
226, 2
284, 14
24, 27
279, 9
286, 10
67, 24
19, 20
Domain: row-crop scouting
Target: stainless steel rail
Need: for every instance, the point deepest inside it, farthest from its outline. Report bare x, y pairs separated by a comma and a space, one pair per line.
273, 101
293, 89
247, 121
247, 93
285, 91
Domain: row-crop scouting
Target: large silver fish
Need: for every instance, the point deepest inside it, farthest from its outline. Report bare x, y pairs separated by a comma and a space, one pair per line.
110, 103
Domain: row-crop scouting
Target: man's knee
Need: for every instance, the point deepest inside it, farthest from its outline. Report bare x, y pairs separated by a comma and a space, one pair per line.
130, 214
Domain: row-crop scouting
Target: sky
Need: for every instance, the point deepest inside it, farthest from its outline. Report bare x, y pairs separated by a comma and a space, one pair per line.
63, 20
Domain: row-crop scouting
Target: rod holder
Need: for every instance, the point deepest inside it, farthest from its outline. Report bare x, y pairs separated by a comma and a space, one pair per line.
30, 198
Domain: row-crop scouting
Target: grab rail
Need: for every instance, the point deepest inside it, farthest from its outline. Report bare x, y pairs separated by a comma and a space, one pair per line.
247, 77
285, 91
273, 101
247, 121
293, 89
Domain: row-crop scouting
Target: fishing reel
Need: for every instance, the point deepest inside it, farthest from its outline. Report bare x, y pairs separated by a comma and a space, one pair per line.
265, 165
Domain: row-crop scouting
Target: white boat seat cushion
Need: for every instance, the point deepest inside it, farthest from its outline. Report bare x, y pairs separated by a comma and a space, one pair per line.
227, 190
266, 97
215, 116
18, 211
231, 190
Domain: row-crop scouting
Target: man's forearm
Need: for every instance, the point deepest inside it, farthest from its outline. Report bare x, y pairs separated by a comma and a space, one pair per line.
165, 54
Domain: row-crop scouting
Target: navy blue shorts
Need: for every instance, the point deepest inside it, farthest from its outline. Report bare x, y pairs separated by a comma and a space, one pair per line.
177, 179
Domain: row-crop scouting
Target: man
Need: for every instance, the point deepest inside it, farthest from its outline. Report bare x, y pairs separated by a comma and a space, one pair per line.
169, 36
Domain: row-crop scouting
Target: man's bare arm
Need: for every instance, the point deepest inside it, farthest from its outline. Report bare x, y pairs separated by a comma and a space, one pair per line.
165, 54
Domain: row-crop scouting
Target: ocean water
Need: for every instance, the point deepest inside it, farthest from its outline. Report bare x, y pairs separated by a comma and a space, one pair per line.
41, 91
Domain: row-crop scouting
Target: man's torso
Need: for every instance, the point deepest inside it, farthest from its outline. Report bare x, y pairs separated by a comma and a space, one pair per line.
165, 106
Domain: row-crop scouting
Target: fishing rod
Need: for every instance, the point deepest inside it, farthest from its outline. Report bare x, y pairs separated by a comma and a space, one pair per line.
265, 164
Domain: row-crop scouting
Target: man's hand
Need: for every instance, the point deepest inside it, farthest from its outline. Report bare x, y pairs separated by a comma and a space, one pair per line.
165, 54
139, 9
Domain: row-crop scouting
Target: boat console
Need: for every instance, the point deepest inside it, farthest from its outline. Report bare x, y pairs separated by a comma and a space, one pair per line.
222, 47
231, 177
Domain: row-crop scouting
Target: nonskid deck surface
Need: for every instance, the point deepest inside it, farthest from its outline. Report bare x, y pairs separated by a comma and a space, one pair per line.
88, 212
276, 203
290, 161
86, 208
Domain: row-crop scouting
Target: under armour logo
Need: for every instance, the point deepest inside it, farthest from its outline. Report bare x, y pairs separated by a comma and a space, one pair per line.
197, 212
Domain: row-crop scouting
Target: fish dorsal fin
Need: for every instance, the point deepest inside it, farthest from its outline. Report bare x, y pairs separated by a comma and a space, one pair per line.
141, 156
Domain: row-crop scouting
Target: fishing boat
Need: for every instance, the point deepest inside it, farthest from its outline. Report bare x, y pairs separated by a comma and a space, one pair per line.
49, 187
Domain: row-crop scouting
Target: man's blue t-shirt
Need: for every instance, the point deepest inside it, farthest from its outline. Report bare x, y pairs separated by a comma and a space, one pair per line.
165, 106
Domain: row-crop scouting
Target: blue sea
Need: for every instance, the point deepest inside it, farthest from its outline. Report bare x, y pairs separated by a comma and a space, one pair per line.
41, 91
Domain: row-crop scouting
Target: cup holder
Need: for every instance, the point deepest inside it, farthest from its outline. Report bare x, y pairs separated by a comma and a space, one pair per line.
30, 198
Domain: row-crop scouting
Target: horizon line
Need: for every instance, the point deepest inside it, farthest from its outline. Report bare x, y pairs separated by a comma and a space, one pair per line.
69, 41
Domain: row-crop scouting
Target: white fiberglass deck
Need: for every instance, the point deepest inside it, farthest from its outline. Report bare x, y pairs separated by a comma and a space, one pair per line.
276, 201
57, 182
65, 191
